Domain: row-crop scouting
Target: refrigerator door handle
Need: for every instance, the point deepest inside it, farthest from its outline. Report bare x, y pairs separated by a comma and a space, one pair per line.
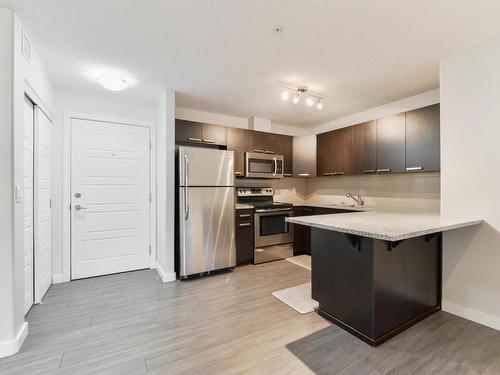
186, 189
186, 203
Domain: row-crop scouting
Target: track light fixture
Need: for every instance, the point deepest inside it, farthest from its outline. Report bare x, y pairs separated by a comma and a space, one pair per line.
301, 91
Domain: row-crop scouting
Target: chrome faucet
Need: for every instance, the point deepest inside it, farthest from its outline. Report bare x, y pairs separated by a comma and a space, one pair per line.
357, 199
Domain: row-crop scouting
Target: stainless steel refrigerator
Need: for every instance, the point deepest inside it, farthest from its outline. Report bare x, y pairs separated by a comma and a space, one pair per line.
206, 210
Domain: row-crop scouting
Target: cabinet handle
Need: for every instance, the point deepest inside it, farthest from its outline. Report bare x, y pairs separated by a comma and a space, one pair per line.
238, 173
194, 139
287, 174
384, 170
208, 141
245, 224
268, 152
304, 174
259, 151
338, 173
369, 171
328, 174
414, 168
244, 215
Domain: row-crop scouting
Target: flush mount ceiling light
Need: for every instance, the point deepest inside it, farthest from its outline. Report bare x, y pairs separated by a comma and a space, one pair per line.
300, 91
112, 82
285, 95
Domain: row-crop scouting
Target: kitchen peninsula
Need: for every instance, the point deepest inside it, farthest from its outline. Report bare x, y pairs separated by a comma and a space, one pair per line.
376, 273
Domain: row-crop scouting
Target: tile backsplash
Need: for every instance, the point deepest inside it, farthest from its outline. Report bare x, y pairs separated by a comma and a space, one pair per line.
405, 189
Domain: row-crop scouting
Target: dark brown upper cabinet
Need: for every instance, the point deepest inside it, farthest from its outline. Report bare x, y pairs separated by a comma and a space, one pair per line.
391, 136
364, 147
343, 155
196, 132
213, 134
324, 154
236, 143
187, 131
422, 139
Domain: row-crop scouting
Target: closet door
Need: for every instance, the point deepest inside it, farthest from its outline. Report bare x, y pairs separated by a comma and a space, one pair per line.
42, 207
28, 204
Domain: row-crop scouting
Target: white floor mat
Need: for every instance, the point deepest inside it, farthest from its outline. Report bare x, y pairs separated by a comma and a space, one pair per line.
301, 260
298, 298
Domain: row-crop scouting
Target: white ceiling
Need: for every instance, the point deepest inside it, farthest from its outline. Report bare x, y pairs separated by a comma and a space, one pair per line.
223, 56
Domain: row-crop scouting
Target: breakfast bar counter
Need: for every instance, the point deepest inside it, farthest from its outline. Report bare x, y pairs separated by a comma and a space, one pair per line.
376, 273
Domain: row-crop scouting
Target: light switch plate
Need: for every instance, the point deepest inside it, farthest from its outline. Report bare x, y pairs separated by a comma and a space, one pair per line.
19, 193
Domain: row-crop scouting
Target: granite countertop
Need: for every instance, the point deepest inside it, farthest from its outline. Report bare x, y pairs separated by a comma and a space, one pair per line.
385, 225
241, 206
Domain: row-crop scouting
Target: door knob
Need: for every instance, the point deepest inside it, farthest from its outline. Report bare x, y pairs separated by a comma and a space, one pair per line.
80, 207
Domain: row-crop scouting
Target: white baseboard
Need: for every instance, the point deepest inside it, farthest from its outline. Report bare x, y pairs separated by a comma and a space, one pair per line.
57, 279
8, 348
165, 277
489, 320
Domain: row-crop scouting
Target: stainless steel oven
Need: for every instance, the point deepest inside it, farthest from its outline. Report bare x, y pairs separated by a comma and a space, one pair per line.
273, 235
263, 165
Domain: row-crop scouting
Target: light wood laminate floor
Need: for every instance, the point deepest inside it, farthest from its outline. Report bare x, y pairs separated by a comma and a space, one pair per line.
132, 323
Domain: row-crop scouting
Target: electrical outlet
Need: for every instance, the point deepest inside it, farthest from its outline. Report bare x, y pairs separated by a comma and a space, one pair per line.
19, 193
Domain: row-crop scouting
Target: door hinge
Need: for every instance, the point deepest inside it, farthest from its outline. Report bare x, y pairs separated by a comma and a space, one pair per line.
50, 202
150, 197
150, 249
150, 147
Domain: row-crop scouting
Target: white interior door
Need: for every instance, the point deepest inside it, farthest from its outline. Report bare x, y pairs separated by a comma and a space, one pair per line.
42, 204
28, 204
110, 198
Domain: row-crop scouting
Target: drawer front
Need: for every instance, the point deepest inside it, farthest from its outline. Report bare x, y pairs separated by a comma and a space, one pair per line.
275, 252
244, 217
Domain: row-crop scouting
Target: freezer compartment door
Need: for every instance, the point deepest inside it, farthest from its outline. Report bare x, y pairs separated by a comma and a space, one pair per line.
207, 234
205, 167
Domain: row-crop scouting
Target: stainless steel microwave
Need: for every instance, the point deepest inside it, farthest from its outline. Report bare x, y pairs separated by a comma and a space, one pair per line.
263, 165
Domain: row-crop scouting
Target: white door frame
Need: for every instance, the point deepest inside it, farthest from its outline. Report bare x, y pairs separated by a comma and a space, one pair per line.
66, 191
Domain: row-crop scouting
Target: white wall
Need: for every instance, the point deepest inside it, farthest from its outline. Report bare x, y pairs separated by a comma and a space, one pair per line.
18, 76
470, 181
232, 121
93, 103
8, 324
165, 218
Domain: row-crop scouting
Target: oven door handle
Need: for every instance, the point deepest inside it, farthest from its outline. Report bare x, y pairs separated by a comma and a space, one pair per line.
263, 210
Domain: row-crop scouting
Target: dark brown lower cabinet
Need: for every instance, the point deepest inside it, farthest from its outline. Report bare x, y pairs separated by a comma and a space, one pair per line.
302, 233
375, 289
244, 236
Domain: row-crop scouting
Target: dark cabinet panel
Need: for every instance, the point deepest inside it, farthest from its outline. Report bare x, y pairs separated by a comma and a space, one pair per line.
364, 147
213, 134
283, 146
302, 233
187, 131
236, 143
391, 144
244, 236
343, 156
258, 141
422, 139
324, 154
